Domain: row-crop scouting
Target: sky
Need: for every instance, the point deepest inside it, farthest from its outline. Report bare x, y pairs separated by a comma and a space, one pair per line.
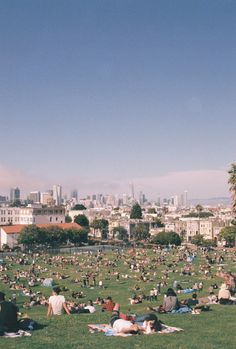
98, 94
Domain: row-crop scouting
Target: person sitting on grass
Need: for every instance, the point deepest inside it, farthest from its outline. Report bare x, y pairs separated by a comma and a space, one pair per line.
192, 302
135, 299
57, 303
170, 303
108, 305
224, 295
8, 316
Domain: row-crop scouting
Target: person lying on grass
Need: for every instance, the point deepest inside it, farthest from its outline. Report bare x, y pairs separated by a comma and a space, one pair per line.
121, 324
81, 308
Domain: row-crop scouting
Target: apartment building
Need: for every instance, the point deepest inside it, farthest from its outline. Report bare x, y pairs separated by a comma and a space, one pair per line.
31, 215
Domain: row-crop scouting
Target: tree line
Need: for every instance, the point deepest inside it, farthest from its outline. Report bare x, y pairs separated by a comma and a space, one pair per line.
33, 236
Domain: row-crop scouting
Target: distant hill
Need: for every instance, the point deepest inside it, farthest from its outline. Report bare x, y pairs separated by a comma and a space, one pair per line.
211, 201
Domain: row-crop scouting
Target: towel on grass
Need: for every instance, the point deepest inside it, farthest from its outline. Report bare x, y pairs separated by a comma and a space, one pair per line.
17, 334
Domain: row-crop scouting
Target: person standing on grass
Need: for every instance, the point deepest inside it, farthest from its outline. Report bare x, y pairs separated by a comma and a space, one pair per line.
57, 304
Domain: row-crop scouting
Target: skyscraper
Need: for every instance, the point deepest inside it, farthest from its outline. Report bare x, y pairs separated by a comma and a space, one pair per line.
34, 196
142, 198
14, 194
185, 198
57, 194
176, 201
46, 198
74, 195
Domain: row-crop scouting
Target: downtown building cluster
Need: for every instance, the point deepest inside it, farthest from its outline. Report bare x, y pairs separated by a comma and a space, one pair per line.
52, 207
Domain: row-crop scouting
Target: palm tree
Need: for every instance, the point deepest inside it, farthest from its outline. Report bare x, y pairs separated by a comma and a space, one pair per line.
232, 188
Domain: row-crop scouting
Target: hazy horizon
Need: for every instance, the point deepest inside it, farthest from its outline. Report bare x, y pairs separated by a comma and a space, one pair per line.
173, 183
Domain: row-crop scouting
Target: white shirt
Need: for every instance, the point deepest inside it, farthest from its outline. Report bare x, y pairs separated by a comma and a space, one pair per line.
57, 302
90, 308
120, 324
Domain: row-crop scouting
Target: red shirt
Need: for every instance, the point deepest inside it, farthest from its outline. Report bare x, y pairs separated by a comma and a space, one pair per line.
108, 306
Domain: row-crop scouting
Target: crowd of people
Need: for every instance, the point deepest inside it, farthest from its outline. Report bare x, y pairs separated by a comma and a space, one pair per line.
95, 270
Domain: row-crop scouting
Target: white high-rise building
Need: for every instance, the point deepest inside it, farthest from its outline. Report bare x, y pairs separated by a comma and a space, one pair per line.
176, 201
46, 198
57, 194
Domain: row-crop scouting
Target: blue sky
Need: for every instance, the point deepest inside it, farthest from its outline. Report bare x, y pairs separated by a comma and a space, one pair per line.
98, 94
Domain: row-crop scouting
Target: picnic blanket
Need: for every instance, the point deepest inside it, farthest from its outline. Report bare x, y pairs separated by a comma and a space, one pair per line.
109, 331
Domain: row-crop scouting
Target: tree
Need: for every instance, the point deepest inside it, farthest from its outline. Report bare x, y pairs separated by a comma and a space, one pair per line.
183, 235
136, 212
158, 223
121, 233
56, 236
229, 235
82, 220
68, 219
161, 239
174, 238
140, 232
77, 236
232, 183
197, 240
79, 207
29, 236
167, 238
95, 225
202, 214
42, 238
102, 225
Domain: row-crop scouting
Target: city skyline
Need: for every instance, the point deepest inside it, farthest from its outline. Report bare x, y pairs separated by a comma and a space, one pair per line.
166, 186
98, 95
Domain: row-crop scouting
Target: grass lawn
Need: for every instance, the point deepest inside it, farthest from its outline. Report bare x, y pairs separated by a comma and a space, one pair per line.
209, 330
